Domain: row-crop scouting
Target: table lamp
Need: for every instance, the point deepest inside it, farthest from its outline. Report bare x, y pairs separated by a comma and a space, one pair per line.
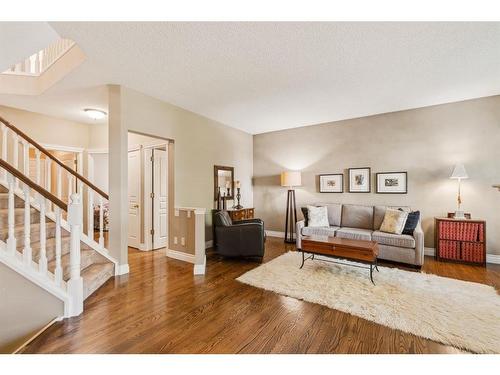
459, 173
290, 179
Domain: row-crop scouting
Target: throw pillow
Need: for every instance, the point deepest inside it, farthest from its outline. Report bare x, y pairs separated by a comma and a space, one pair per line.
317, 216
394, 221
411, 222
304, 212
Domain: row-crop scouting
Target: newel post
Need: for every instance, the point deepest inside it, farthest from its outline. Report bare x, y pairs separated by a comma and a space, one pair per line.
75, 283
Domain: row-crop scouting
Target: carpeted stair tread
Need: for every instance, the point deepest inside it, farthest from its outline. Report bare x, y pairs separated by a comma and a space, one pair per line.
96, 275
4, 201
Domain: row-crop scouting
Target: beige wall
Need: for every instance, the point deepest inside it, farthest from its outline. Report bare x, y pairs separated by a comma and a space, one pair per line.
199, 144
426, 142
47, 129
24, 309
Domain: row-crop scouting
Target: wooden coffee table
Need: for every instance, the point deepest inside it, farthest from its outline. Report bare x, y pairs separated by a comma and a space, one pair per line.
341, 248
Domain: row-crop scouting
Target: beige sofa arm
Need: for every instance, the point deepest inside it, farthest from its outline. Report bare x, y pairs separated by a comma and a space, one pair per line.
298, 233
418, 234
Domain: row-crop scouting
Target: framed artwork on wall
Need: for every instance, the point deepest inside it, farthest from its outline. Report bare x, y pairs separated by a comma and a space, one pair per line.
359, 180
331, 183
392, 183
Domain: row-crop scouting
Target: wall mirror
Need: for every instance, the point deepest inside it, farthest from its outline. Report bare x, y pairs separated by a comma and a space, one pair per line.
224, 181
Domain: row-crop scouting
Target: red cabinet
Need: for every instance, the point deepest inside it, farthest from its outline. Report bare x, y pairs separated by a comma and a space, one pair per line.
461, 240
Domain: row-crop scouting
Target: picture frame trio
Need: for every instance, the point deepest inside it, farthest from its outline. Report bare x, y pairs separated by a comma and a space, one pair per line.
359, 181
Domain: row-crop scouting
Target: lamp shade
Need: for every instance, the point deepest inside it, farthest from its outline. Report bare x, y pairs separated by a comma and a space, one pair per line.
291, 178
459, 172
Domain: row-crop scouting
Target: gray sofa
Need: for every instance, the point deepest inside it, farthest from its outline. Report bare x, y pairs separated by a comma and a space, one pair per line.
363, 223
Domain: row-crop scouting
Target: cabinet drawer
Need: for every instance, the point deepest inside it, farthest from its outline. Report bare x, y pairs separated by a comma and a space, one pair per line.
237, 215
249, 213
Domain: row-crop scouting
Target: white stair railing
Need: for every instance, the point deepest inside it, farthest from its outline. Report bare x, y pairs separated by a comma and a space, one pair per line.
67, 181
39, 62
72, 291
56, 206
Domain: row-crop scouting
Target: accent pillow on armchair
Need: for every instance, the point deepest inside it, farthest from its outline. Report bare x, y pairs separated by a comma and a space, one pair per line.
317, 216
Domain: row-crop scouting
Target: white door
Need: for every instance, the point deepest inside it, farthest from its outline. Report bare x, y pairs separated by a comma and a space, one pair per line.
160, 207
134, 198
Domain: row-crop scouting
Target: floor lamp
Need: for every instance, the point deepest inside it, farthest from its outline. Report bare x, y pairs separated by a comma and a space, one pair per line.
290, 179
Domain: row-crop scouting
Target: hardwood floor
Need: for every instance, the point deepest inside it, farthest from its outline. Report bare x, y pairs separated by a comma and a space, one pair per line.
160, 307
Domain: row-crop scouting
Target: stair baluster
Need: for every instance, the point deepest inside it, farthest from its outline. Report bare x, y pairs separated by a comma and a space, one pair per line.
70, 187
27, 254
48, 176
59, 182
26, 158
11, 239
42, 261
101, 222
58, 270
16, 154
5, 132
75, 283
90, 214
37, 166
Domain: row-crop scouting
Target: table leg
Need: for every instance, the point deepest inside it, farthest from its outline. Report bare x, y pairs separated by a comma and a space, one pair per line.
376, 264
302, 265
371, 274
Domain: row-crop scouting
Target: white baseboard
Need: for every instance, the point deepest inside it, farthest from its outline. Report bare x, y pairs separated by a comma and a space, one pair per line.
199, 269
121, 269
209, 244
490, 258
429, 251
179, 255
272, 233
493, 258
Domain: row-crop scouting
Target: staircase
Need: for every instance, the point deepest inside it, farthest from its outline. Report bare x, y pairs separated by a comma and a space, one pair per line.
42, 235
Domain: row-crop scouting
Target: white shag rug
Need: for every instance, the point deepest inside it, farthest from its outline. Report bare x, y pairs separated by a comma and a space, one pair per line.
454, 312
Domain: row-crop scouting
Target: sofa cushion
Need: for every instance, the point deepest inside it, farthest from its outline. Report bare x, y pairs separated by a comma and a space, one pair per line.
319, 231
379, 213
357, 216
394, 221
411, 222
399, 240
317, 216
354, 233
334, 213
304, 213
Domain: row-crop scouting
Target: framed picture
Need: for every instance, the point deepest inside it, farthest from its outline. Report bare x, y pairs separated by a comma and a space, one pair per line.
392, 183
331, 183
359, 180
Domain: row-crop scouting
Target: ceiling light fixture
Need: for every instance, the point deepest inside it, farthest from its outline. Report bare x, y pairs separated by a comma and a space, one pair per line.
95, 114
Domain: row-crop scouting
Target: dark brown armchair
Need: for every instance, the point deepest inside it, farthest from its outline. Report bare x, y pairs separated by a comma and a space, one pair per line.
243, 238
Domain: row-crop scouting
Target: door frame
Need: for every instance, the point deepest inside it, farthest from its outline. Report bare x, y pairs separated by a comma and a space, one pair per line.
147, 207
148, 201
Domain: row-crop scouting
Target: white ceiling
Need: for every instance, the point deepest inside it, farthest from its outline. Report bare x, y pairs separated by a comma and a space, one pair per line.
261, 77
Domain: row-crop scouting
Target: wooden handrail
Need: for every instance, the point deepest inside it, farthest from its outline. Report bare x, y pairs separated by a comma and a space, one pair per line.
49, 155
25, 180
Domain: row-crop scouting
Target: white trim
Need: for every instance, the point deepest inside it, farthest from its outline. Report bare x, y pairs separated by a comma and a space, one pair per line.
63, 148
272, 233
97, 151
38, 333
490, 258
199, 269
179, 255
121, 269
31, 273
429, 251
209, 244
493, 258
